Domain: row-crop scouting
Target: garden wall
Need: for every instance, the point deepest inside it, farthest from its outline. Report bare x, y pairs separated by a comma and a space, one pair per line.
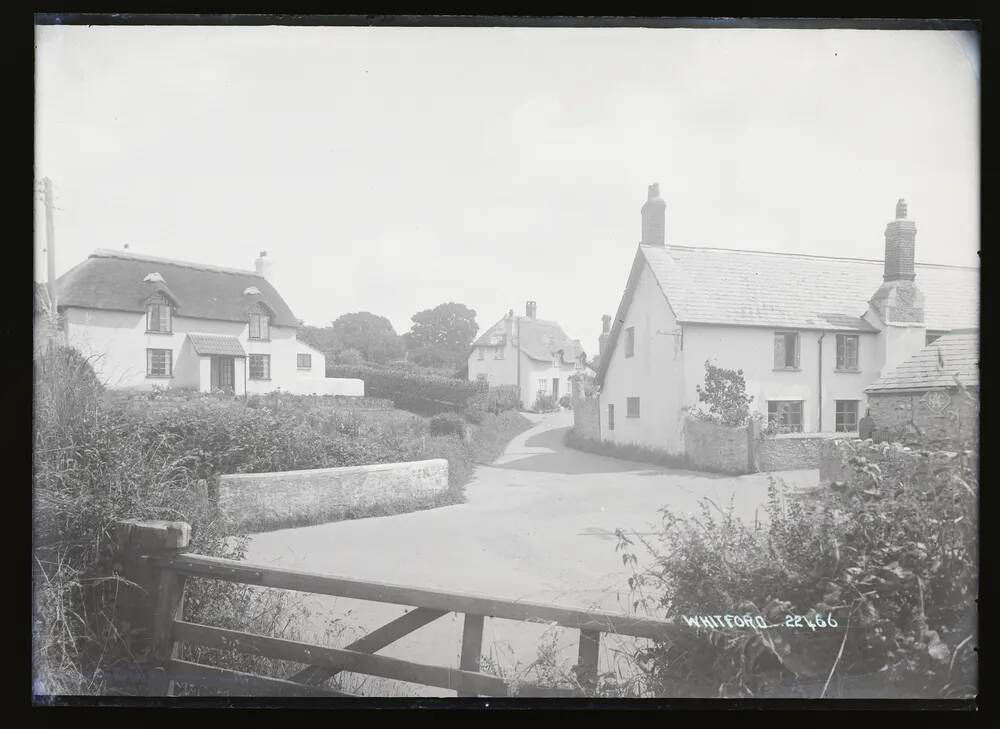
909, 416
717, 448
260, 501
587, 417
793, 451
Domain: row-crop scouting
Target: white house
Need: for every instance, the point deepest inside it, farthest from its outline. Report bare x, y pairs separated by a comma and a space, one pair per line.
809, 332
534, 354
150, 322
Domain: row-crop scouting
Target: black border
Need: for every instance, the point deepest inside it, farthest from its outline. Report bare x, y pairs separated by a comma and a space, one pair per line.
958, 17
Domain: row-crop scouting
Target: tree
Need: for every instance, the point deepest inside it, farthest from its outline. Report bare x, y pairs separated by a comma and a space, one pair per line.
725, 392
323, 339
370, 334
440, 337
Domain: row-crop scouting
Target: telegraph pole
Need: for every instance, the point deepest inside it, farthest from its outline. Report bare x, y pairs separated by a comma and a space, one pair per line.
50, 245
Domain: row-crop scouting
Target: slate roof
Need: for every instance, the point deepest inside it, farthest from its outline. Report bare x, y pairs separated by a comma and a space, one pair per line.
219, 344
540, 339
718, 286
113, 280
951, 355
787, 290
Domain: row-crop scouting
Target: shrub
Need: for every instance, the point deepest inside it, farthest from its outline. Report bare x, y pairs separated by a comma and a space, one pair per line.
347, 357
544, 403
892, 561
418, 392
725, 393
565, 401
447, 424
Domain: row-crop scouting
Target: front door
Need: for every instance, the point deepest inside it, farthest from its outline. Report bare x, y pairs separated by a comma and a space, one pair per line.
555, 388
223, 373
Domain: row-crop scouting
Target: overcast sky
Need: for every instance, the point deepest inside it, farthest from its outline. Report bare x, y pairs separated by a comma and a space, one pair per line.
393, 169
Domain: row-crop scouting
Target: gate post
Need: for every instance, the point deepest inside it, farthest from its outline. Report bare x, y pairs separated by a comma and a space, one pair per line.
138, 606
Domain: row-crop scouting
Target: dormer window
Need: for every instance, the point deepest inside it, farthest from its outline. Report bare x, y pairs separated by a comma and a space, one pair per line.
158, 316
260, 326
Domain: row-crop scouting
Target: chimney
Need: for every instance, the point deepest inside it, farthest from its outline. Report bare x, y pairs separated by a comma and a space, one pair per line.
900, 237
530, 309
263, 265
654, 213
605, 332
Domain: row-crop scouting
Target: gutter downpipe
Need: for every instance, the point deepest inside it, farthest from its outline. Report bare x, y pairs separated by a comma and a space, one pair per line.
517, 350
819, 429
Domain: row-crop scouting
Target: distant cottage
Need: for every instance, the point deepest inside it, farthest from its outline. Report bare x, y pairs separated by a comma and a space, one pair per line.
151, 322
810, 333
533, 354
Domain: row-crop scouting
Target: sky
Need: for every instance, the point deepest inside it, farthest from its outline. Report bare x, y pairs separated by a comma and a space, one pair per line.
393, 169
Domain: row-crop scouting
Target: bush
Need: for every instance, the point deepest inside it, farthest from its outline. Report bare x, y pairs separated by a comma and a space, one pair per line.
565, 401
544, 403
891, 561
418, 392
725, 393
447, 424
347, 357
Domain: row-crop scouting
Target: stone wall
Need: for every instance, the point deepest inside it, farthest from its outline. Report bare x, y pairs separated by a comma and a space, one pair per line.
715, 447
891, 458
587, 417
793, 451
262, 501
909, 416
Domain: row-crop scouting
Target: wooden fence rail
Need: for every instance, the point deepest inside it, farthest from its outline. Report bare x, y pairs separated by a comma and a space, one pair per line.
166, 566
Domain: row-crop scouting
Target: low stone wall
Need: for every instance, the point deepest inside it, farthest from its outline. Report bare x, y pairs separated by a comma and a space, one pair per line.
891, 458
793, 451
327, 386
587, 417
715, 447
262, 501
909, 416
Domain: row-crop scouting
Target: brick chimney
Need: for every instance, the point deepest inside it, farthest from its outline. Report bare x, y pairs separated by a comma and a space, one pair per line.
530, 309
654, 218
602, 340
897, 308
262, 265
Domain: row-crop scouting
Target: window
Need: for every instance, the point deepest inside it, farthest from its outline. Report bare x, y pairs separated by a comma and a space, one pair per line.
786, 351
847, 416
304, 361
630, 342
847, 352
631, 407
543, 386
786, 415
158, 318
260, 326
498, 352
260, 367
159, 363
930, 338
481, 353
611, 417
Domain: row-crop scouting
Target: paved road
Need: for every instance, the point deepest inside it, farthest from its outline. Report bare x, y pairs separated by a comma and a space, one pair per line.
538, 525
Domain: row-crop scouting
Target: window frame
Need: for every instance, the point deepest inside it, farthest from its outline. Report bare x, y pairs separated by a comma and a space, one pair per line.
298, 361
630, 341
264, 358
840, 354
169, 363
498, 351
789, 428
629, 401
838, 414
160, 306
796, 359
263, 320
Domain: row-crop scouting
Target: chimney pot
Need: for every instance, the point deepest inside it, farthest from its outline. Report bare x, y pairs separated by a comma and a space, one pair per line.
900, 242
654, 213
901, 209
606, 323
530, 309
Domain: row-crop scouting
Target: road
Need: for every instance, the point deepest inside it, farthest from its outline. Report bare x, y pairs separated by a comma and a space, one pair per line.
538, 525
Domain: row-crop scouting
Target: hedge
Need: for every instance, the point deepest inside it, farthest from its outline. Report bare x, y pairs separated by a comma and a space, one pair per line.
417, 392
